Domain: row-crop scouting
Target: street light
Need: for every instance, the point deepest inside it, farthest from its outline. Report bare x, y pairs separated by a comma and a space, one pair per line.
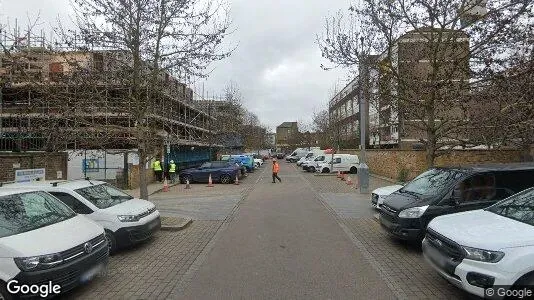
363, 171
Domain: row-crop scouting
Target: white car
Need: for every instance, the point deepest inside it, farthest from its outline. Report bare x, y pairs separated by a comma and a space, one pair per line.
378, 195
42, 242
311, 165
258, 162
127, 220
301, 161
345, 163
491, 248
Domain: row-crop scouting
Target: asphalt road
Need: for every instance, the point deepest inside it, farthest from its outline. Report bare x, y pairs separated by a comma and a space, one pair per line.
282, 243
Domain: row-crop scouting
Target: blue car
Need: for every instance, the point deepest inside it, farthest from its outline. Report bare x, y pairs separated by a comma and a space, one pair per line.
244, 160
221, 171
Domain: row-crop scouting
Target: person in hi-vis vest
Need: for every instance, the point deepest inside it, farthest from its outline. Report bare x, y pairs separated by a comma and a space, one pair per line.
156, 165
172, 171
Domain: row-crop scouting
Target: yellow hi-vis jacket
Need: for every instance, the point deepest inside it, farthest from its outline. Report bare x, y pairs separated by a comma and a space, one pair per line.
172, 168
156, 165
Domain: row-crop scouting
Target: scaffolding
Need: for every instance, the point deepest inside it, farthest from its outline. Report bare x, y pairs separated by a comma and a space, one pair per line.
57, 96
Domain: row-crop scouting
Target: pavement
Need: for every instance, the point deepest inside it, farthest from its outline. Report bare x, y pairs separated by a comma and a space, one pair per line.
309, 237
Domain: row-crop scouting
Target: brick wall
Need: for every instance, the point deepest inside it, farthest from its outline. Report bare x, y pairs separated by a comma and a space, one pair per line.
133, 176
52, 162
390, 163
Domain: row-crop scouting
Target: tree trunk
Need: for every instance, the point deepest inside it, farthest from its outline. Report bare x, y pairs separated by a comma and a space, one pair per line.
430, 149
143, 184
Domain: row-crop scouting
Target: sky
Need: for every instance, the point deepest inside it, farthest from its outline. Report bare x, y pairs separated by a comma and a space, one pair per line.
276, 64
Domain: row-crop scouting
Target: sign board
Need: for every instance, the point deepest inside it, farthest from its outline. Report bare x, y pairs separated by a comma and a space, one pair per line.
91, 165
59, 174
16, 165
29, 175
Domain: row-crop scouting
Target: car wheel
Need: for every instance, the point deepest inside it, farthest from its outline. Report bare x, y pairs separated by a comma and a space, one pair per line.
225, 179
353, 170
112, 242
311, 169
4, 294
326, 170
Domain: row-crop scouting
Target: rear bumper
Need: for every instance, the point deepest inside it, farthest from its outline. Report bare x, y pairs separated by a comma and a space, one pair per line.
127, 236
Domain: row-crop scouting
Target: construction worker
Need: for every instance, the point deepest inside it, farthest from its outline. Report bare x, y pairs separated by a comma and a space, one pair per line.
172, 171
276, 169
158, 171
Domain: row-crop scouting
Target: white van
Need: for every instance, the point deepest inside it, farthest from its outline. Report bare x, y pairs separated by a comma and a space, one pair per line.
297, 154
45, 247
311, 165
340, 163
127, 220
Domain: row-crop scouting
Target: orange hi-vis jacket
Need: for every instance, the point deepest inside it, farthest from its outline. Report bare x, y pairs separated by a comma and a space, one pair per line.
276, 168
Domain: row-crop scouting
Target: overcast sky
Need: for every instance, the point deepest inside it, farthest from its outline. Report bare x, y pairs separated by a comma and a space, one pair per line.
276, 64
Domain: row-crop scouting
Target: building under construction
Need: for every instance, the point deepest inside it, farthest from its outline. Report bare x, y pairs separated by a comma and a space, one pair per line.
60, 99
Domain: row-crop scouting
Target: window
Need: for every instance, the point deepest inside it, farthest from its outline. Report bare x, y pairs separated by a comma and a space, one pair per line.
481, 187
75, 204
29, 211
432, 182
206, 165
103, 195
519, 207
337, 160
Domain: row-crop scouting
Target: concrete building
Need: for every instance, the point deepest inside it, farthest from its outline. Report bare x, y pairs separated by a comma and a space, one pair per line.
286, 135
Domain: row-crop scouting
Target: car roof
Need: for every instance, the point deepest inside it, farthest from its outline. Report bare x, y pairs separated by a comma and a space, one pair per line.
67, 184
492, 167
11, 191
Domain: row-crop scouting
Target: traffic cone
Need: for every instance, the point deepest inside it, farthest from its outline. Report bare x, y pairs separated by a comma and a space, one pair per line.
165, 185
343, 177
210, 183
338, 174
187, 186
349, 181
236, 182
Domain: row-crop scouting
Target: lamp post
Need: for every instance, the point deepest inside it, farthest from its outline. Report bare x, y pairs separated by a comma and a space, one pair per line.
363, 171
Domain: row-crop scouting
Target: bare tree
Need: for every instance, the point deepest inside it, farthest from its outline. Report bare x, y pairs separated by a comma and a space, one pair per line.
156, 37
453, 46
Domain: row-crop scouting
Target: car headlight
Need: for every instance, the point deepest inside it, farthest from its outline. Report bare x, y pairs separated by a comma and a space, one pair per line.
414, 212
38, 262
483, 255
128, 218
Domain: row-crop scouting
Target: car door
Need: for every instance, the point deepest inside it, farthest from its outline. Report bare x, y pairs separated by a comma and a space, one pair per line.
479, 191
76, 205
337, 164
201, 173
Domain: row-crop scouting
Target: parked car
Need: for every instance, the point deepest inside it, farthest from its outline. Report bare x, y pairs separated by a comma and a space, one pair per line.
485, 248
303, 152
126, 220
42, 240
244, 160
344, 163
440, 191
378, 195
221, 171
280, 155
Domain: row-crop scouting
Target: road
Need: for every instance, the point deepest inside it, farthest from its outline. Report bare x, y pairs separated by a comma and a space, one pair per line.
281, 244
309, 237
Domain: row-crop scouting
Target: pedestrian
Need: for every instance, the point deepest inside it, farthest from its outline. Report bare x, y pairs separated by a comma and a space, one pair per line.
158, 171
172, 171
276, 169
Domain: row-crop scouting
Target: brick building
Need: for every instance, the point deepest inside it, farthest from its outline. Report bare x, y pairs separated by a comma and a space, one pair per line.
286, 134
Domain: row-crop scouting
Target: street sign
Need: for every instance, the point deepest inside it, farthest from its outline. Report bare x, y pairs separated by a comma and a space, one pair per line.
29, 175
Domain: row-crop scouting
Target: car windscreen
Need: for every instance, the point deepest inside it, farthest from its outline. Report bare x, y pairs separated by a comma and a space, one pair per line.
104, 195
432, 182
519, 207
29, 211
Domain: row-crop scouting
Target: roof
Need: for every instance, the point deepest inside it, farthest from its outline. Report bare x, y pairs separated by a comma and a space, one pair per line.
495, 167
287, 125
68, 184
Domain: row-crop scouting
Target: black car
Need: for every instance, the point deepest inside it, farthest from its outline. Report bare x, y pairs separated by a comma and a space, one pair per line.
220, 171
406, 213
280, 155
